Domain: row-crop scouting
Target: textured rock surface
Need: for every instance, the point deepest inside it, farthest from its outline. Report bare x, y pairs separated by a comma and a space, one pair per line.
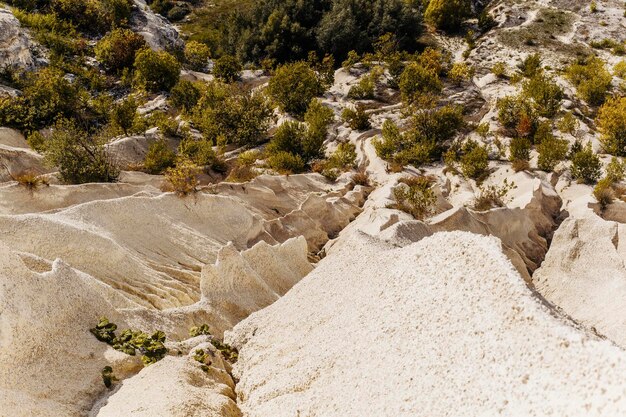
584, 274
442, 327
16, 46
156, 30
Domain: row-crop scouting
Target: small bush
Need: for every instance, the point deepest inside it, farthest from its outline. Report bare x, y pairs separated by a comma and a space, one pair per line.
80, 158
568, 124
517, 113
416, 81
586, 166
159, 157
460, 73
611, 123
531, 66
352, 59
551, 152
415, 196
492, 196
197, 56
519, 150
447, 14
202, 330
361, 178
185, 95
344, 158
616, 170
293, 86
619, 70
475, 160
227, 69
499, 69
592, 80
156, 71
183, 178
603, 193
356, 119
365, 89
117, 49
546, 94
30, 181
123, 114
200, 152
286, 163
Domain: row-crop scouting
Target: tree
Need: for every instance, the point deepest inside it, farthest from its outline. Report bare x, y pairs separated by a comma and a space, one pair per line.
79, 157
294, 86
447, 15
227, 69
156, 70
117, 49
611, 122
197, 55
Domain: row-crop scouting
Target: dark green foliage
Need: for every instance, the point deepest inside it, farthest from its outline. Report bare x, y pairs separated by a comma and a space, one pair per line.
204, 357
293, 86
156, 70
356, 119
226, 114
203, 329
474, 160
520, 149
201, 153
447, 14
415, 195
551, 152
546, 94
107, 376
196, 55
159, 157
228, 352
531, 66
518, 114
592, 80
80, 158
117, 49
611, 122
185, 95
586, 166
417, 80
424, 141
227, 69
151, 347
286, 163
123, 114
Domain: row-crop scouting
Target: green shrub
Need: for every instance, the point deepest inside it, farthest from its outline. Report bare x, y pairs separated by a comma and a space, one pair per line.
475, 160
79, 157
492, 196
356, 119
447, 14
286, 163
226, 114
568, 124
619, 69
156, 71
616, 170
185, 95
159, 157
227, 69
499, 69
202, 330
365, 89
415, 195
603, 193
546, 94
197, 55
200, 152
293, 86
592, 80
117, 49
183, 178
460, 73
586, 166
611, 121
352, 59
531, 66
123, 114
551, 152
517, 113
416, 81
318, 117
344, 156
519, 150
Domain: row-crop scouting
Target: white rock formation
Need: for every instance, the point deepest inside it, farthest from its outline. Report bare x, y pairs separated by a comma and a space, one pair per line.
16, 46
155, 29
442, 327
584, 274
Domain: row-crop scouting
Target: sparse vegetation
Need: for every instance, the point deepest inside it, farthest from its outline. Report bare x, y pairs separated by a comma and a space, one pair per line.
183, 178
492, 196
415, 195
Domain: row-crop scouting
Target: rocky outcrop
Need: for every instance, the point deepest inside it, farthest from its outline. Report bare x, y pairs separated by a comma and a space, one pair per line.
441, 327
155, 29
17, 49
584, 274
16, 157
